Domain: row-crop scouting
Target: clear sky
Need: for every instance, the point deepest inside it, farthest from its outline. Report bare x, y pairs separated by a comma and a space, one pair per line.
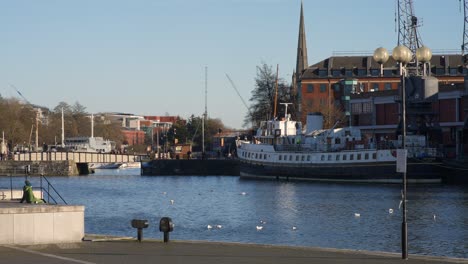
148, 57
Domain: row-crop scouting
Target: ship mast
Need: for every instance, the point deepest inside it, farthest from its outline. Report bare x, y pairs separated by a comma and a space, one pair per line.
206, 110
276, 91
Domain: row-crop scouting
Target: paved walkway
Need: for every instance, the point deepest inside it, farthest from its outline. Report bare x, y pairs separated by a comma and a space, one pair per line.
130, 251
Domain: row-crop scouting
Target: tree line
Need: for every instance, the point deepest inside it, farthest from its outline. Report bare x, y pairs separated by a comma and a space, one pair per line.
19, 122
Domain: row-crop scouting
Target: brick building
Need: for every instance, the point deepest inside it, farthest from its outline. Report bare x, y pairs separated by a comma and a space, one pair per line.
369, 95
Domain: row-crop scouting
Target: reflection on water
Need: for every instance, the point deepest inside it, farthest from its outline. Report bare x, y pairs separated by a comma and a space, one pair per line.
324, 214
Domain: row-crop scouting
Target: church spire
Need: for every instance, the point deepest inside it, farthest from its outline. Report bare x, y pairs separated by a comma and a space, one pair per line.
301, 62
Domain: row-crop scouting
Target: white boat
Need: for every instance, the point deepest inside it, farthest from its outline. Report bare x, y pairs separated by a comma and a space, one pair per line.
111, 165
282, 150
130, 165
88, 144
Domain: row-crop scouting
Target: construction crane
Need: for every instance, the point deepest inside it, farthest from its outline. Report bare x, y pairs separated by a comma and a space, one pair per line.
240, 96
408, 34
464, 45
38, 113
20, 94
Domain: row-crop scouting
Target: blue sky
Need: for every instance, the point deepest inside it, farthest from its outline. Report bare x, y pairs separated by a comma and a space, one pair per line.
148, 57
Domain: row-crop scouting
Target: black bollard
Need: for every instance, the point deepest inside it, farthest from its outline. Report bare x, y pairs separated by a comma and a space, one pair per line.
166, 226
139, 224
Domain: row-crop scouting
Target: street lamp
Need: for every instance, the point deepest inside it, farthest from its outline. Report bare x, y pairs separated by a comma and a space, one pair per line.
403, 56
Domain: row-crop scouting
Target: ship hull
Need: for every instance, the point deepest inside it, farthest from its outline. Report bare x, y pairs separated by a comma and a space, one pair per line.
375, 172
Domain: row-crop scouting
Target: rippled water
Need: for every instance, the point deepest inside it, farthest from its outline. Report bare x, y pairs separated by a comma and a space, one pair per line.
323, 214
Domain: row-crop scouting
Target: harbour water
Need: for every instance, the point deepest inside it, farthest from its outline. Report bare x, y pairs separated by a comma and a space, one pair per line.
346, 216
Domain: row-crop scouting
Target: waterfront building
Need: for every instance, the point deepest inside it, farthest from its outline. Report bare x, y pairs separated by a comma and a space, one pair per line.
369, 95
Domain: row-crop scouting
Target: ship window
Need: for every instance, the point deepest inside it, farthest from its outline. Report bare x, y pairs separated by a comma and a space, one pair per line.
279, 157
297, 158
290, 157
374, 155
358, 156
329, 157
337, 157
322, 158
351, 157
302, 158
366, 156
256, 155
344, 156
285, 157
308, 157
264, 156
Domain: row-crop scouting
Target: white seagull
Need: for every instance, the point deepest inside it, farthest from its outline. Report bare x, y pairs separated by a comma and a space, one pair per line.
259, 228
172, 201
390, 211
294, 228
357, 215
219, 226
209, 227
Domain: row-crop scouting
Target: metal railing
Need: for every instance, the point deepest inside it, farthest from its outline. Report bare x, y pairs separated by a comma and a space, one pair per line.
46, 188
48, 191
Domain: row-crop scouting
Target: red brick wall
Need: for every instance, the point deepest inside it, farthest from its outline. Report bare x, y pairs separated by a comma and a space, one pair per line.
134, 137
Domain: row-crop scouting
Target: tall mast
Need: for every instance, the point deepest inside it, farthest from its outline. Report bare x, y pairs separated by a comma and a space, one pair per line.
92, 125
63, 131
276, 91
37, 129
206, 109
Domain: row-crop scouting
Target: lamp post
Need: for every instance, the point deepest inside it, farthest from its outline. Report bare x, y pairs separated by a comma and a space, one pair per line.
403, 56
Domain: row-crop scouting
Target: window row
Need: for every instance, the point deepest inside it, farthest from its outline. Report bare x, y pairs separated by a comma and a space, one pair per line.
329, 157
386, 73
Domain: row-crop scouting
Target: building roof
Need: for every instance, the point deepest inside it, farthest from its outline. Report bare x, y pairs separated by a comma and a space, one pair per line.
343, 63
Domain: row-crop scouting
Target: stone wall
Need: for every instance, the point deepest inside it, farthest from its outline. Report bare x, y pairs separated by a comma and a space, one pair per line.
46, 168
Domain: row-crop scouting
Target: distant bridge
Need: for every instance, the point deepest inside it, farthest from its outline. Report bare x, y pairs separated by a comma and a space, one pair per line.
79, 157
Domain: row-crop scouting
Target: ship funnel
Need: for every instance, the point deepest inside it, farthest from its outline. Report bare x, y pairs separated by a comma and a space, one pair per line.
314, 122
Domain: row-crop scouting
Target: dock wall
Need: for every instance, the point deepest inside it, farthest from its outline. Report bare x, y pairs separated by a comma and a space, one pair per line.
46, 168
195, 167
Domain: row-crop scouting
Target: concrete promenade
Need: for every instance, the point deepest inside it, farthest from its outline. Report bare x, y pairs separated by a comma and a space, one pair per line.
114, 251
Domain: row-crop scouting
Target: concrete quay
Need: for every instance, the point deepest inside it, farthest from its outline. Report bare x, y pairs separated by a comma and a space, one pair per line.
151, 251
27, 224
